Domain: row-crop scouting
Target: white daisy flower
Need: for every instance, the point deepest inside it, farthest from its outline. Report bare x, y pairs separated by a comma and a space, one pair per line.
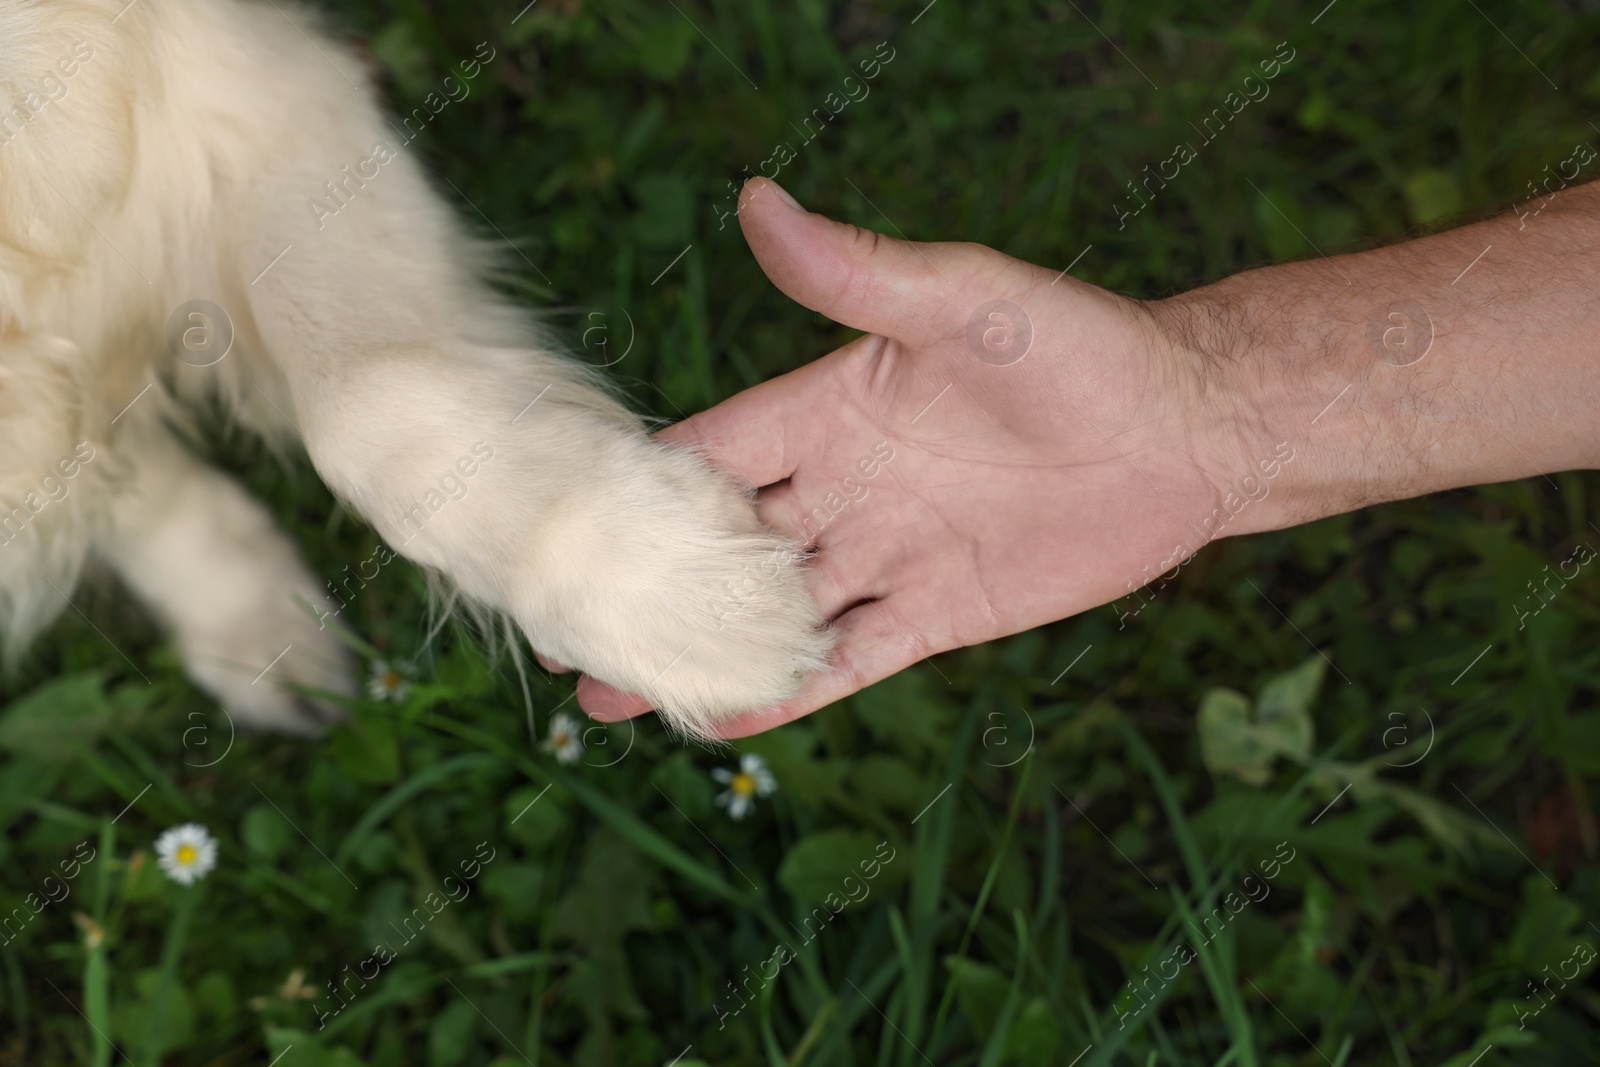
187, 853
389, 681
565, 740
751, 780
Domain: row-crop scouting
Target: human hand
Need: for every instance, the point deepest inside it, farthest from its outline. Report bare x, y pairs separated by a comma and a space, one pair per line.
964, 471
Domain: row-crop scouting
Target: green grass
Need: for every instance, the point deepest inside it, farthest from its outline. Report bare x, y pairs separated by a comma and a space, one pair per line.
622, 908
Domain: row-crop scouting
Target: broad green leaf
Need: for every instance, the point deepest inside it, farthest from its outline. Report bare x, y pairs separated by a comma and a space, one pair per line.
1284, 707
215, 996
610, 897
888, 781
58, 719
907, 713
1234, 739
801, 776
980, 990
265, 831
308, 1050
366, 748
1036, 1038
1230, 743
665, 47
133, 1017
843, 865
1542, 934
686, 785
450, 1033
535, 816
516, 889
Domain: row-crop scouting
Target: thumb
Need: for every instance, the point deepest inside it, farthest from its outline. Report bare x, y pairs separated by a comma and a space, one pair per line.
854, 276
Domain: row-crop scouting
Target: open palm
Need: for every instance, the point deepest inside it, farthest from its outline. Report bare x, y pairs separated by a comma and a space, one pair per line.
1004, 447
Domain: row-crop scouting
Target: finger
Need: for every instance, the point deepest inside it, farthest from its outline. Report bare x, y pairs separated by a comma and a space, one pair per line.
844, 574
746, 435
606, 703
860, 278
845, 568
873, 644
780, 507
551, 665
765, 432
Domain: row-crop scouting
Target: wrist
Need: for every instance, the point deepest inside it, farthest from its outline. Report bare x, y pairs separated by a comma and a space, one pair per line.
1255, 394
1395, 373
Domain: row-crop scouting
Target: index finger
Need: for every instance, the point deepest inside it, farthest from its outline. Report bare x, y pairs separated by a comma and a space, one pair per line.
762, 434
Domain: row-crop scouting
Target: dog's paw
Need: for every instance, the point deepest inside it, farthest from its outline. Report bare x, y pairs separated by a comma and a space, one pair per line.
638, 563
245, 613
666, 584
256, 653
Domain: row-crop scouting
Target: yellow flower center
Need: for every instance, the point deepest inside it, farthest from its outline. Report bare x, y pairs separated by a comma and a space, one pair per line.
560, 739
391, 680
743, 784
187, 854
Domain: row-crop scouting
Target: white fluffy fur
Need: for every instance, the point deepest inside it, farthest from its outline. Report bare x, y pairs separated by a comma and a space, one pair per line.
174, 164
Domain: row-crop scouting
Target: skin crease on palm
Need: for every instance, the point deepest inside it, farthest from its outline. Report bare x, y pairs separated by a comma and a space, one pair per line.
1017, 494
1022, 492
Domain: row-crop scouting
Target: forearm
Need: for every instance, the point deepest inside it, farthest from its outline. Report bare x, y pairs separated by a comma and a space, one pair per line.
1406, 370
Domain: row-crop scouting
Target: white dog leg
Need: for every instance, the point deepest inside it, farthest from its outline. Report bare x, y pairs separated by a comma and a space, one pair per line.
475, 451
207, 560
